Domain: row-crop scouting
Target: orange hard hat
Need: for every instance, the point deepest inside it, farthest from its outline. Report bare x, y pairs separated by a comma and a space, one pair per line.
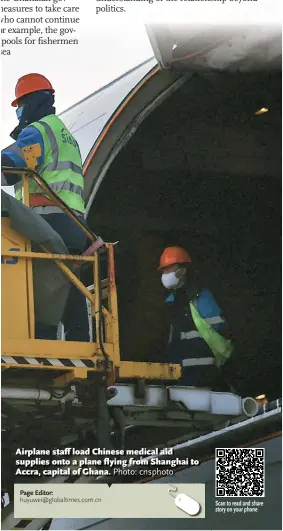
31, 83
174, 255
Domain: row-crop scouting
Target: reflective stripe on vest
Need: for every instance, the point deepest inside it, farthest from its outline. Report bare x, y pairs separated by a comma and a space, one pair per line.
64, 166
194, 362
190, 335
214, 320
193, 334
221, 347
64, 177
56, 187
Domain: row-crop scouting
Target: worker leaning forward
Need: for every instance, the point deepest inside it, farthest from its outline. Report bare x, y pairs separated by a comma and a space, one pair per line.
199, 336
60, 165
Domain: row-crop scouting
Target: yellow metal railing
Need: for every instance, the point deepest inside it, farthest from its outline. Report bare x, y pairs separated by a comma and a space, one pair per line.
104, 352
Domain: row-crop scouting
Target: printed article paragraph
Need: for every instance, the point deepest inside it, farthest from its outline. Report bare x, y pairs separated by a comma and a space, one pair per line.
56, 22
38, 22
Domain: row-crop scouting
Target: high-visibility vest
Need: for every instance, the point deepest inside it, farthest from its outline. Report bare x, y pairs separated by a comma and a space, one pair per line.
222, 348
62, 165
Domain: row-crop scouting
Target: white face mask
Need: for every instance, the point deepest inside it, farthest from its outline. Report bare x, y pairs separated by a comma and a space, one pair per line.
174, 280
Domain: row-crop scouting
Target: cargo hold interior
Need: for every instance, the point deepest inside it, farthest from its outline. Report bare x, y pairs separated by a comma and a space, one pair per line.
203, 171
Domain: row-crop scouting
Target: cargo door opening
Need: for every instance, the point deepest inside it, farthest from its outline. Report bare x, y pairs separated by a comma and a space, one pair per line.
203, 171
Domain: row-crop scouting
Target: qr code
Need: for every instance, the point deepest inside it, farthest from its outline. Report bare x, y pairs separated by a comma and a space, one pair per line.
240, 472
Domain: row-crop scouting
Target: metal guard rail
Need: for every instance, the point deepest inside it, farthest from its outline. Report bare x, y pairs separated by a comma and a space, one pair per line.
98, 247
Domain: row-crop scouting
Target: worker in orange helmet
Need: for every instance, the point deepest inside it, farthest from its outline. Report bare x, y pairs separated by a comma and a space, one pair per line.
199, 337
59, 163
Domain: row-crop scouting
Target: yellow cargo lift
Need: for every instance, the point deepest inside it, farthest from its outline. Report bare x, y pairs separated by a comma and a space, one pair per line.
96, 362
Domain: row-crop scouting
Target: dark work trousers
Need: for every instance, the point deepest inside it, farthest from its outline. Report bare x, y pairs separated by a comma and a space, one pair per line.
75, 319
